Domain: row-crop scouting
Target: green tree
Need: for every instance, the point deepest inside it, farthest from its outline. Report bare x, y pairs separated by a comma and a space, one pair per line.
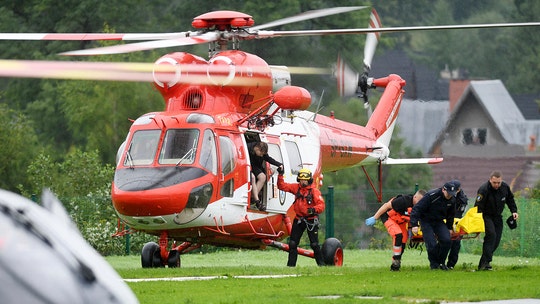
98, 113
509, 54
79, 174
18, 147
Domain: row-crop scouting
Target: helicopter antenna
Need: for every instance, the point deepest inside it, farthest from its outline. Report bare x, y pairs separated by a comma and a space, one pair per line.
318, 107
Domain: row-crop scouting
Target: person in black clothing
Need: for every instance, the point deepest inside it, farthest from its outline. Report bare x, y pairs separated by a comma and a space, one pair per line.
461, 205
491, 198
258, 154
430, 212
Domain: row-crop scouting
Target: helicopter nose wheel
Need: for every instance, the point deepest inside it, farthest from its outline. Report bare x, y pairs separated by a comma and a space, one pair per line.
150, 255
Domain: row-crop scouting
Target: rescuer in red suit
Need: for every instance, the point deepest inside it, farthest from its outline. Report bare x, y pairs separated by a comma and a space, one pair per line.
395, 215
308, 204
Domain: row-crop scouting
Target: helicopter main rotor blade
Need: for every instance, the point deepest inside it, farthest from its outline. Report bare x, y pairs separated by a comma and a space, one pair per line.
270, 34
308, 15
92, 36
137, 72
77, 70
147, 45
308, 70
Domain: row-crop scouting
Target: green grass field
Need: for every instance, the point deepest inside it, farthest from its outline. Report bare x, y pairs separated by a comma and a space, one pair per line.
364, 278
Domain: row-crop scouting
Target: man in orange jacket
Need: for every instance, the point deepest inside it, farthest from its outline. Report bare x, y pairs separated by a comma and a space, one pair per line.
395, 215
308, 204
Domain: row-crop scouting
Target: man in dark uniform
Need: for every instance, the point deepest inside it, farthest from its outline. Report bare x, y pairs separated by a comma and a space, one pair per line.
430, 212
258, 154
461, 205
395, 215
491, 198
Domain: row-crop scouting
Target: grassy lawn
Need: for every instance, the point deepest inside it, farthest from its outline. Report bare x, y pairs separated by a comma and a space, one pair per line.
364, 278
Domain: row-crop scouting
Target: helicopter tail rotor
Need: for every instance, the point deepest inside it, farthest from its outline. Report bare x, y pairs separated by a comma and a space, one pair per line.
371, 40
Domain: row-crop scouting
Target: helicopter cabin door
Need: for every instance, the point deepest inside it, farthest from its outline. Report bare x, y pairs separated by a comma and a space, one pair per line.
271, 191
232, 160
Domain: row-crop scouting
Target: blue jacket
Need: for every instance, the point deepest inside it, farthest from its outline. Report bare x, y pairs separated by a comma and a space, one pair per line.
434, 207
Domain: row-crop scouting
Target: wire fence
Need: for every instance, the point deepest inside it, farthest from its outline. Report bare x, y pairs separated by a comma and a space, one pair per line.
351, 208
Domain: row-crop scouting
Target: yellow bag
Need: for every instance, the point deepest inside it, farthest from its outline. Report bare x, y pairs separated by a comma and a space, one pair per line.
472, 222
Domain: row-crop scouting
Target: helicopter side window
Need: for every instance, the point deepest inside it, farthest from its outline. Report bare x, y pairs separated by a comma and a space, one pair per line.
208, 157
228, 164
142, 149
294, 156
179, 147
274, 152
227, 155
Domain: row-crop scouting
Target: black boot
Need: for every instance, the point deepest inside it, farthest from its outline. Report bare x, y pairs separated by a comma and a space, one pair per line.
396, 265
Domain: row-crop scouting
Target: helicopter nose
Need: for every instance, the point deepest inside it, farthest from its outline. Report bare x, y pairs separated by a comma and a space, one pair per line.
175, 206
155, 202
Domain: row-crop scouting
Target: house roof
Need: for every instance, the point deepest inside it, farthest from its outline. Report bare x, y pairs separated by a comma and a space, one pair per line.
420, 122
498, 104
528, 105
422, 82
500, 108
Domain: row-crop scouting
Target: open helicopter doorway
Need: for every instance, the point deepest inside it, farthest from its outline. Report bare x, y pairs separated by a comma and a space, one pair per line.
269, 193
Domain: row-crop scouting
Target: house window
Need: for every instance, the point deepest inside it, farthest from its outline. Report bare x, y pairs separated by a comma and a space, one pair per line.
467, 136
474, 136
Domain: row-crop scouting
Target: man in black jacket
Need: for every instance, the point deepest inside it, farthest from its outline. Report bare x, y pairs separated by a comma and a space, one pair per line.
431, 212
491, 198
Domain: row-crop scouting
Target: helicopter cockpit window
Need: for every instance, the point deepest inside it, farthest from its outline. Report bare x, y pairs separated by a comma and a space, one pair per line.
294, 156
208, 157
142, 149
179, 147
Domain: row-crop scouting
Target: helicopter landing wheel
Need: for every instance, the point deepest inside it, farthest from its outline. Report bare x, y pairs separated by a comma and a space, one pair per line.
151, 255
174, 259
332, 252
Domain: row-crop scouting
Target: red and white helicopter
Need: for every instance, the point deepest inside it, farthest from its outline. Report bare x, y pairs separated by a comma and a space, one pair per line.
183, 174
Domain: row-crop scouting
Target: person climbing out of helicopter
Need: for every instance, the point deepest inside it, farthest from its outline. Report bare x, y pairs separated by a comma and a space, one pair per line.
395, 215
308, 204
258, 154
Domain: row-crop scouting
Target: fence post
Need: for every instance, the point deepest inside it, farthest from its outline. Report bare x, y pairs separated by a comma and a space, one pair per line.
522, 226
330, 212
128, 239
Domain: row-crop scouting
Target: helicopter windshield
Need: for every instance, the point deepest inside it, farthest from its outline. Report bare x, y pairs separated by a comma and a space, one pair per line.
142, 149
179, 147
